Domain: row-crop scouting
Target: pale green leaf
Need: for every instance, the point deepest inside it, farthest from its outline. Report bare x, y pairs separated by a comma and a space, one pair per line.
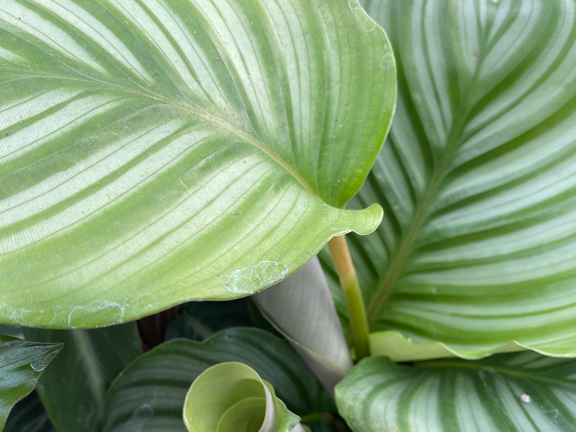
149, 394
21, 364
477, 179
301, 308
399, 348
158, 151
231, 397
521, 392
74, 386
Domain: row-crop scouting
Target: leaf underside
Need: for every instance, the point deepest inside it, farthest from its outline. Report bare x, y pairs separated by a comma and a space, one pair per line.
477, 179
158, 151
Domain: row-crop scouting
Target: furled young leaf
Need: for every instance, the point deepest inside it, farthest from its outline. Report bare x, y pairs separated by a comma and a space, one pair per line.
74, 386
521, 392
158, 151
301, 308
21, 364
231, 397
150, 393
29, 415
477, 179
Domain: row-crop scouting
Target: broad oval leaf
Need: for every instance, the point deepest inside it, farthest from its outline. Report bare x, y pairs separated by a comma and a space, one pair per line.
477, 177
231, 397
521, 392
301, 308
73, 388
21, 364
149, 394
157, 151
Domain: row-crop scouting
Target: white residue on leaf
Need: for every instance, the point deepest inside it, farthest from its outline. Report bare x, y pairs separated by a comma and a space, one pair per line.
365, 21
387, 62
251, 279
116, 309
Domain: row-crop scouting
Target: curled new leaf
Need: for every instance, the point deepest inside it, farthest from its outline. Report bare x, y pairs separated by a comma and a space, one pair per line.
301, 308
231, 397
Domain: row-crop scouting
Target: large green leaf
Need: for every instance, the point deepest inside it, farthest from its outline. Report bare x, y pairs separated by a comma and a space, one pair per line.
477, 179
21, 364
522, 392
157, 151
231, 397
149, 394
301, 308
74, 386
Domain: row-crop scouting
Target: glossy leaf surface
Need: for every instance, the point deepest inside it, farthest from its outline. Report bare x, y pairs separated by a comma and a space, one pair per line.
301, 308
477, 177
21, 364
231, 397
521, 392
149, 394
158, 151
74, 386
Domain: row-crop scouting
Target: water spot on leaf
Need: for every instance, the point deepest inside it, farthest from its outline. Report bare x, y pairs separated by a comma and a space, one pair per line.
250, 279
387, 62
365, 21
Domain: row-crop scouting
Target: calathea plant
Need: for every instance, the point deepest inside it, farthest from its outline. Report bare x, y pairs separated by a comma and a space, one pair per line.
156, 153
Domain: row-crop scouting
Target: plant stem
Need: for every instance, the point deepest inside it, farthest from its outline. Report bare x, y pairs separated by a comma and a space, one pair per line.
354, 302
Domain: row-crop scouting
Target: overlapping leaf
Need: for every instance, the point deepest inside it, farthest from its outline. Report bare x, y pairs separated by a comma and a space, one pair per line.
522, 392
477, 179
157, 151
21, 364
74, 386
150, 393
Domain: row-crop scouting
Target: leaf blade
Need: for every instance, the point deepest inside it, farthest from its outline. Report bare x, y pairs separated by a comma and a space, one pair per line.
475, 179
21, 364
140, 135
508, 392
151, 391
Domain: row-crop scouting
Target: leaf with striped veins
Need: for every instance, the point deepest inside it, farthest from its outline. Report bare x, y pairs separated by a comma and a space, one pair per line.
158, 151
478, 243
520, 392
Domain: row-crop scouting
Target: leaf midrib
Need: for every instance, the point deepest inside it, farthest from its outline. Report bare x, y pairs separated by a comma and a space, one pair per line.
250, 139
384, 288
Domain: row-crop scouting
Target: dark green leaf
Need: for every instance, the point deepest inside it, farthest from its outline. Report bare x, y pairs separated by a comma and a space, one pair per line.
150, 393
21, 364
200, 320
73, 387
29, 415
